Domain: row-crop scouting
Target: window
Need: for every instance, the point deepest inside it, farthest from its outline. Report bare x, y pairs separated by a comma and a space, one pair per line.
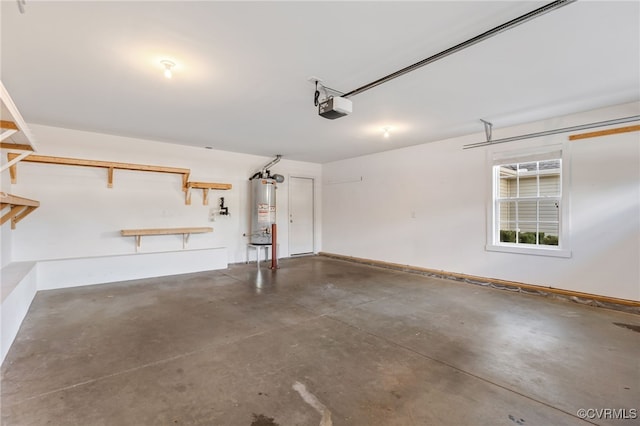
527, 205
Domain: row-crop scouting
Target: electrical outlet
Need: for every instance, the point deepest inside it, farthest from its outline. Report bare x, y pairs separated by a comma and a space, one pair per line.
212, 215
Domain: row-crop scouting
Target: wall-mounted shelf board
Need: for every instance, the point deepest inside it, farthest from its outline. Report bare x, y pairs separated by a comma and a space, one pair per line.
186, 232
109, 165
606, 132
19, 208
205, 186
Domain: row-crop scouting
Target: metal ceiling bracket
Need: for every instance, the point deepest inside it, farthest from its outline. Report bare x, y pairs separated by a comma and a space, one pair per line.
488, 126
555, 131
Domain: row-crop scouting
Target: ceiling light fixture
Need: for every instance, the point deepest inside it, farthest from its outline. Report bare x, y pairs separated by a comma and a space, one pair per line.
167, 67
386, 131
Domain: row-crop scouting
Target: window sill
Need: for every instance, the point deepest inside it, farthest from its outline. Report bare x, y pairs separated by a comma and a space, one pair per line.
531, 251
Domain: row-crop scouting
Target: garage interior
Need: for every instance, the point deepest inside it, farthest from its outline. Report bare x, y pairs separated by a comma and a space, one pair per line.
320, 213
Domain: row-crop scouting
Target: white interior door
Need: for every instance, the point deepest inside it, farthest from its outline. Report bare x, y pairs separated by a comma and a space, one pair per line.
300, 215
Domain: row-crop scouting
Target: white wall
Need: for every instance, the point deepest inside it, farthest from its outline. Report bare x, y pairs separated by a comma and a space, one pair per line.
19, 286
79, 216
426, 206
65, 273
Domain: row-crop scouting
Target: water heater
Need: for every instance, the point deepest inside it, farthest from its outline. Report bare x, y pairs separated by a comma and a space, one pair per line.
263, 203
263, 211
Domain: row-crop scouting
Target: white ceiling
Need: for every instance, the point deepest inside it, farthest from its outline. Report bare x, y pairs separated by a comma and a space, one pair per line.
240, 83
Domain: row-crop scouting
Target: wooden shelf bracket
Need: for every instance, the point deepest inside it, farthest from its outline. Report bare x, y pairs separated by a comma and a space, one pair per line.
13, 160
205, 186
19, 208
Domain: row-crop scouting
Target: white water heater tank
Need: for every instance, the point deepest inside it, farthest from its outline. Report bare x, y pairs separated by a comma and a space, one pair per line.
263, 209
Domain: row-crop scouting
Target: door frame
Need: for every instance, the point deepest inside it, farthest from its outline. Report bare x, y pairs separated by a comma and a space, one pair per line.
313, 214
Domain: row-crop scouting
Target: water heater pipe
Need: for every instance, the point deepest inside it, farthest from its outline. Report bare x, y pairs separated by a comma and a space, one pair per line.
271, 163
274, 246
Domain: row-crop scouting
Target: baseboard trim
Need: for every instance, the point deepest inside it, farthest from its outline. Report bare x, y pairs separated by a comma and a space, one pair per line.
625, 305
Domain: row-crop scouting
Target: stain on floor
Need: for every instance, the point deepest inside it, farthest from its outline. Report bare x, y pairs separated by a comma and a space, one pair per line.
262, 420
516, 420
632, 327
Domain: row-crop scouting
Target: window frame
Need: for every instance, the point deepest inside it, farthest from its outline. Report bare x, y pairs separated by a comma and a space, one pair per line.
497, 158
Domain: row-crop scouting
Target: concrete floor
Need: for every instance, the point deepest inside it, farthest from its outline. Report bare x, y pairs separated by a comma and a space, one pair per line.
319, 342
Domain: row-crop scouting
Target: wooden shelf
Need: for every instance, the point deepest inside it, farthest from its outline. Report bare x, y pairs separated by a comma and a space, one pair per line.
607, 132
109, 165
186, 232
16, 146
205, 186
19, 208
